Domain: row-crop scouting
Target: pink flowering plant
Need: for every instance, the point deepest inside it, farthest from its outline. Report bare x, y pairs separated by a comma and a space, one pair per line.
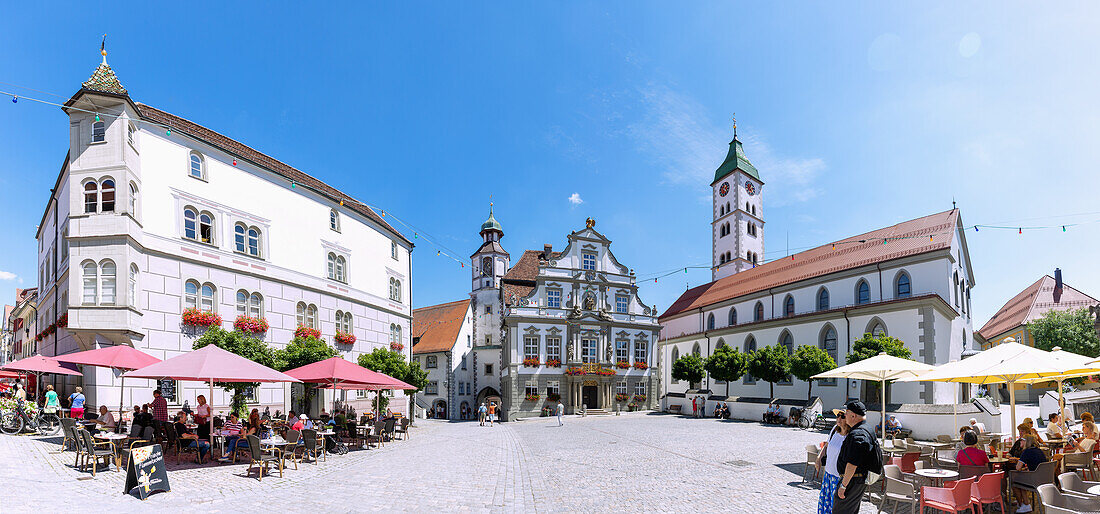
250, 325
344, 338
197, 318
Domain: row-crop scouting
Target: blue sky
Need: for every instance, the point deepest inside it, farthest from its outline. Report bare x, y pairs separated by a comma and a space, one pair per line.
857, 116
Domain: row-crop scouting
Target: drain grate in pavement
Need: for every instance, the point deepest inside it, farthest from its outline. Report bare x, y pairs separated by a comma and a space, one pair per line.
738, 463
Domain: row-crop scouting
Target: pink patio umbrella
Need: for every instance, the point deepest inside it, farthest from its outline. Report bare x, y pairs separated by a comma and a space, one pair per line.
211, 364
337, 373
10, 374
39, 365
121, 357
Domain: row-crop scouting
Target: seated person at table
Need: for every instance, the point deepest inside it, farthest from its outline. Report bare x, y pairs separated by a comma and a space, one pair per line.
340, 420
1030, 458
962, 438
1031, 429
971, 455
389, 413
235, 436
105, 419
301, 423
1055, 429
1086, 443
978, 427
893, 426
1087, 417
189, 439
292, 418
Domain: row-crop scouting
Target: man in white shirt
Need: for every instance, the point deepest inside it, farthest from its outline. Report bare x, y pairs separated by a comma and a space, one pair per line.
1055, 429
105, 419
978, 427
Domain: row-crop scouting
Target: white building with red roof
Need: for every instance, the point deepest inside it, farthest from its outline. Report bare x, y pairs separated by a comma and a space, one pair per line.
154, 216
911, 280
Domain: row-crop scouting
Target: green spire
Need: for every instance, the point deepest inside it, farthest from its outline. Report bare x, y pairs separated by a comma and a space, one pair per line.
491, 223
735, 160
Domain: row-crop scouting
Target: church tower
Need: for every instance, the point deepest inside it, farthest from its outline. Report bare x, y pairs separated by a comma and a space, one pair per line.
487, 267
737, 229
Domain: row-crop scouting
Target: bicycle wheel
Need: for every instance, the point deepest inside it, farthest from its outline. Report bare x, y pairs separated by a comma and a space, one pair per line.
11, 424
804, 423
49, 424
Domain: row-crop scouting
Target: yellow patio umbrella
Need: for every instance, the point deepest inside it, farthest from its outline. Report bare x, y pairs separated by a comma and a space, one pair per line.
881, 368
1008, 363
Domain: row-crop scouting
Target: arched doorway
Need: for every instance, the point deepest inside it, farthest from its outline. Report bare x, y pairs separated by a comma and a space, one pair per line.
487, 394
439, 409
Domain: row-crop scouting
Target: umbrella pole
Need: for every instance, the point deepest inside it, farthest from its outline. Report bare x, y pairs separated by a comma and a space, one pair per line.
955, 407
1012, 402
211, 420
1061, 403
121, 398
883, 412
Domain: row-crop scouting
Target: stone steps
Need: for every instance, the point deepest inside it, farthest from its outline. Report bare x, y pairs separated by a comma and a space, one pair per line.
598, 412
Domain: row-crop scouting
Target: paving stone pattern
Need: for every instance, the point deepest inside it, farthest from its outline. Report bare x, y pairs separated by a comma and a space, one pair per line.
634, 462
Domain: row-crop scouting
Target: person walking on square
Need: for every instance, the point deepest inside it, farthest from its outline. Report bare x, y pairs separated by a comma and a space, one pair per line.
561, 412
694, 406
481, 411
160, 413
492, 412
860, 454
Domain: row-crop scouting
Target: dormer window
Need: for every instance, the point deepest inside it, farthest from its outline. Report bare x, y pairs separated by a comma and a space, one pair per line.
99, 132
588, 261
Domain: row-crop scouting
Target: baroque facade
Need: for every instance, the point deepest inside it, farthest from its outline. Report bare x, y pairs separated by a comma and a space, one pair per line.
154, 216
911, 281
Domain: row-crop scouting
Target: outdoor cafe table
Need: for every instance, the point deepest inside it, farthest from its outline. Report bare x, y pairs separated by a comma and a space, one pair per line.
115, 440
278, 443
1094, 490
937, 475
323, 435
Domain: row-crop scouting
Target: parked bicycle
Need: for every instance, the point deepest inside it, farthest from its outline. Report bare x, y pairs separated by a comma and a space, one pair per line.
809, 422
14, 419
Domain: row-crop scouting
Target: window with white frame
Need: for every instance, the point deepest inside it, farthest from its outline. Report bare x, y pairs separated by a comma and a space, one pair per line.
531, 387
197, 166
433, 387
395, 289
64, 243
99, 196
198, 226
828, 343
306, 315
131, 297
639, 387
553, 387
531, 347
393, 250
863, 292
130, 134
133, 200
903, 288
622, 303
553, 348
463, 363
334, 220
107, 281
250, 304
91, 283
588, 261
620, 387
337, 267
99, 131
395, 333
621, 346
247, 239
641, 351
432, 361
675, 357
553, 298
588, 350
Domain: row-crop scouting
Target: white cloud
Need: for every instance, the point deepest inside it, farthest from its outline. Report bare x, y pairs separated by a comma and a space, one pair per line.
678, 132
575, 199
7, 275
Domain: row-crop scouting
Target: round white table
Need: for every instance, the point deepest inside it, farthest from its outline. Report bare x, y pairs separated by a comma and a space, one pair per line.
937, 475
114, 439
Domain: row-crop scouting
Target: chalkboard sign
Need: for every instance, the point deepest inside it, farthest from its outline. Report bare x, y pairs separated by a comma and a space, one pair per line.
146, 472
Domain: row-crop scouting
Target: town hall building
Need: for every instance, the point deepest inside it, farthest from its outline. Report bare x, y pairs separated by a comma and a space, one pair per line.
911, 280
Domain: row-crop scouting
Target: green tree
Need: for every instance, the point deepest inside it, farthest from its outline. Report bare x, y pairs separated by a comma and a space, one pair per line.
808, 361
771, 364
299, 352
415, 377
246, 346
689, 368
726, 364
1071, 330
394, 364
869, 346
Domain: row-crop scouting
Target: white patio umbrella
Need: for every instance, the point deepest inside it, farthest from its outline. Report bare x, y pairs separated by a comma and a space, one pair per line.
1009, 363
1077, 365
881, 368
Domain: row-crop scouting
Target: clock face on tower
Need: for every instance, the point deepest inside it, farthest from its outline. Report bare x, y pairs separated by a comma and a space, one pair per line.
749, 188
724, 189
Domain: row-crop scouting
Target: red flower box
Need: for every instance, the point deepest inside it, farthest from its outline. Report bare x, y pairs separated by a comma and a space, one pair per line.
553, 363
622, 397
639, 397
197, 318
344, 338
250, 325
532, 398
574, 371
622, 365
606, 372
531, 362
640, 365
304, 331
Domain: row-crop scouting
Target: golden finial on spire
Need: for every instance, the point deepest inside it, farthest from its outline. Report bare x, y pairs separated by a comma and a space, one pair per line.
734, 119
103, 48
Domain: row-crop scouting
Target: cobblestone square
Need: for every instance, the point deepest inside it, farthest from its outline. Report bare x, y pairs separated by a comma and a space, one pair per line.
633, 462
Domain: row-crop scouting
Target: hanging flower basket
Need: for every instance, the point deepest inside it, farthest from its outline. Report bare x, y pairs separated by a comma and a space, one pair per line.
532, 362
532, 398
397, 347
63, 321
622, 365
304, 331
197, 318
640, 365
344, 338
622, 397
639, 397
553, 363
250, 325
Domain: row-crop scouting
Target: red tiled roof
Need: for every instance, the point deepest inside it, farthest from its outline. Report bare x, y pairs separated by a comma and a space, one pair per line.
1032, 303
902, 240
522, 277
437, 326
248, 153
